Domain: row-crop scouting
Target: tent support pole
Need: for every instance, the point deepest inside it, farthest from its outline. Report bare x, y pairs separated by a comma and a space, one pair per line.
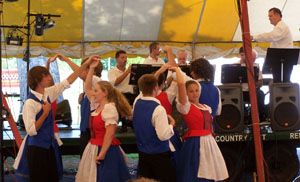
252, 90
82, 33
193, 51
199, 22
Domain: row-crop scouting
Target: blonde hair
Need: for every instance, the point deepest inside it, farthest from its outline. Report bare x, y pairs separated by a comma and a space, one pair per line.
115, 96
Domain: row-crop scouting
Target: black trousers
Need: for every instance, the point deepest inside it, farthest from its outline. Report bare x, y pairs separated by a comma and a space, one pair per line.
157, 166
42, 164
84, 140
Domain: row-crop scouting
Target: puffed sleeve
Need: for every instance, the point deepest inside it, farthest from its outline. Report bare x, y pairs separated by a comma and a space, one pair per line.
183, 109
110, 114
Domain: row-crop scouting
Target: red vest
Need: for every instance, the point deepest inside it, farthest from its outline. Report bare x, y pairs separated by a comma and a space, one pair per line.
198, 121
97, 126
53, 105
164, 101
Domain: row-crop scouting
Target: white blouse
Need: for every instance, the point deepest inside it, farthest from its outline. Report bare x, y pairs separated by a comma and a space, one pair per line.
109, 114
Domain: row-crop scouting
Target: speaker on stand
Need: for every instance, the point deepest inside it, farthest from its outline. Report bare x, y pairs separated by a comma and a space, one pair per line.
284, 106
232, 116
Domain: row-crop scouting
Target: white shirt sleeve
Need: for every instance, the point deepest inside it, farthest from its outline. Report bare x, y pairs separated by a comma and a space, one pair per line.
219, 109
54, 91
29, 114
278, 33
172, 92
187, 78
110, 114
137, 98
95, 80
160, 122
112, 76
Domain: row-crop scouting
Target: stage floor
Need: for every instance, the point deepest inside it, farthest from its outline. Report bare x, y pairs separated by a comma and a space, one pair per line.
70, 138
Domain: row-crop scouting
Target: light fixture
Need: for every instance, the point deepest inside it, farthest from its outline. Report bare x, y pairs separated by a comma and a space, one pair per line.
11, 0
13, 38
42, 23
39, 25
49, 23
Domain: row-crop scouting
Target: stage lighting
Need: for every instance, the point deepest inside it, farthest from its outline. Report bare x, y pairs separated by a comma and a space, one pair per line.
49, 23
39, 25
13, 38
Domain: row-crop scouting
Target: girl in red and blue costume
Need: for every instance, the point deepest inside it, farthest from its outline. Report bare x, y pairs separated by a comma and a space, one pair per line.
200, 158
103, 159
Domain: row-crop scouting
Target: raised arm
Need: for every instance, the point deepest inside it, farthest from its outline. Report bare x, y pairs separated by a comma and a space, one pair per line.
182, 98
84, 66
50, 60
162, 69
170, 56
89, 78
68, 61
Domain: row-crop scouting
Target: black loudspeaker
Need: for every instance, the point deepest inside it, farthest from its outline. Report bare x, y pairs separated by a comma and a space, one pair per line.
232, 115
284, 106
63, 113
282, 162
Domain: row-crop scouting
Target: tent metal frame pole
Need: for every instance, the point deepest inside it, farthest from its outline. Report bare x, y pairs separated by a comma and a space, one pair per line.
1, 104
82, 34
197, 30
252, 90
27, 53
199, 22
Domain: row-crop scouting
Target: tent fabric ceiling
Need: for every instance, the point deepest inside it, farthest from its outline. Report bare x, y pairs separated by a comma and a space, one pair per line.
86, 21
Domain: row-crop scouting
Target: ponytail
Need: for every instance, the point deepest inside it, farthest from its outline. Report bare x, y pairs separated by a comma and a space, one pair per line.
115, 96
122, 104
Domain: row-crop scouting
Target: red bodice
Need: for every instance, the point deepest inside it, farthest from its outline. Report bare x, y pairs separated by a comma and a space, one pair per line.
97, 126
198, 121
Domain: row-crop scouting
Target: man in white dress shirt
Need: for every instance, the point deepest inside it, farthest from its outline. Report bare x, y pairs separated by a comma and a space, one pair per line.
119, 77
281, 36
154, 53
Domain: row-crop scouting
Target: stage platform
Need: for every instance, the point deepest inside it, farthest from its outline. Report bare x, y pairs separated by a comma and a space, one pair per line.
70, 138
280, 149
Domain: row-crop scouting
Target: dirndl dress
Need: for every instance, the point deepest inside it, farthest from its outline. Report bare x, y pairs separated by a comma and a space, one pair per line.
113, 168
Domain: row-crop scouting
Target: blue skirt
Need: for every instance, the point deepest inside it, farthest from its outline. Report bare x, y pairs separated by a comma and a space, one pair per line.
177, 143
113, 168
22, 172
188, 162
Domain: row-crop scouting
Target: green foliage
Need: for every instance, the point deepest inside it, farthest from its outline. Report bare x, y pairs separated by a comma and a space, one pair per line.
136, 60
9, 64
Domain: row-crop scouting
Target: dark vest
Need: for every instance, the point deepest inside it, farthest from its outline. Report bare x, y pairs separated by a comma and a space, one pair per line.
85, 111
45, 135
209, 96
146, 137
